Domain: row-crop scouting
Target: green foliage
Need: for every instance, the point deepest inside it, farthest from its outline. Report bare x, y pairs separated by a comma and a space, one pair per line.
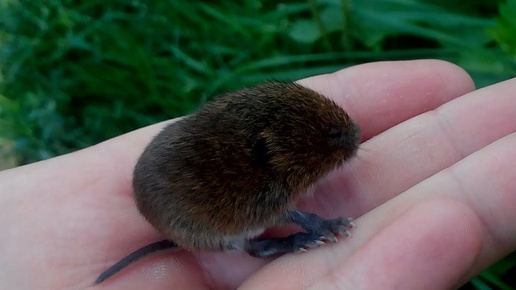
504, 32
493, 278
75, 73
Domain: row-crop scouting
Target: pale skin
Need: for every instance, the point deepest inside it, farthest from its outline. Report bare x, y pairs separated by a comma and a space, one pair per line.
433, 190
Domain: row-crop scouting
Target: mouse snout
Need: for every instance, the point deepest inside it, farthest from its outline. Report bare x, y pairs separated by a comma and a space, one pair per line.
355, 134
348, 140
352, 139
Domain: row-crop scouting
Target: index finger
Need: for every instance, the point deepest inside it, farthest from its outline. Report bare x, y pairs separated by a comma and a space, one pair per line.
383, 94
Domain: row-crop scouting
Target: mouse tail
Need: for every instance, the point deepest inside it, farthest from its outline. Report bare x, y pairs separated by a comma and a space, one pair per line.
135, 256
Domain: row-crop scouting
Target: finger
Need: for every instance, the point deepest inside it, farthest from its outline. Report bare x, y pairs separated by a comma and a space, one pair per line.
382, 94
403, 254
484, 182
420, 147
427, 247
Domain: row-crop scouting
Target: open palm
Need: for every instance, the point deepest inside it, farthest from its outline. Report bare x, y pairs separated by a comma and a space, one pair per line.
434, 188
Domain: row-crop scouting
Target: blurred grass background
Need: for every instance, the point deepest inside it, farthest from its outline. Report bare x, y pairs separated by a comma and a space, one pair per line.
74, 73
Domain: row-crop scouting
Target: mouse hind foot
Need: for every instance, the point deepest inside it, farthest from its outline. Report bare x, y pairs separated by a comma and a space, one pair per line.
298, 242
318, 231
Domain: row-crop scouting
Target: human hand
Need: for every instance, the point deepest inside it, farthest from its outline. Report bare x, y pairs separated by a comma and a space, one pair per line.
67, 219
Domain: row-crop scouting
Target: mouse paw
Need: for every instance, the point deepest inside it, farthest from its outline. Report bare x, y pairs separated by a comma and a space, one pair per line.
319, 231
327, 228
330, 228
298, 242
302, 241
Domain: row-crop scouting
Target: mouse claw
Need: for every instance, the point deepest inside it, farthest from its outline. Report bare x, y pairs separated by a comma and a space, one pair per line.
316, 243
330, 236
347, 222
338, 226
319, 242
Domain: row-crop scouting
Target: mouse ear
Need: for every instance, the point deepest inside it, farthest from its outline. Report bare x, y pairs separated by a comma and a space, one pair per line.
259, 151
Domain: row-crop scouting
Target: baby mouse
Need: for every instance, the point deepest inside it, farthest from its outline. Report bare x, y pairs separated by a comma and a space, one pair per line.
218, 178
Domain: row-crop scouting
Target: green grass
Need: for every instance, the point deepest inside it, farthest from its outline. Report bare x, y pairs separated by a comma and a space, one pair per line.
74, 73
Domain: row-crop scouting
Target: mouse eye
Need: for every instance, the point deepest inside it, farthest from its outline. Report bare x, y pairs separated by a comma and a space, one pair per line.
259, 151
335, 133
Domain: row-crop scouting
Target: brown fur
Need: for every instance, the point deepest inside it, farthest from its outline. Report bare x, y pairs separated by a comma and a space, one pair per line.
233, 168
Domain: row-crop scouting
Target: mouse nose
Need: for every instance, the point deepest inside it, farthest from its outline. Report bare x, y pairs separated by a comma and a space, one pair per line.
346, 137
355, 133
350, 140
